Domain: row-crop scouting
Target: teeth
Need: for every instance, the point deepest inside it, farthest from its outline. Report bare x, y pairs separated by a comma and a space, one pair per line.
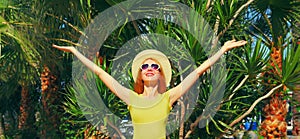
149, 74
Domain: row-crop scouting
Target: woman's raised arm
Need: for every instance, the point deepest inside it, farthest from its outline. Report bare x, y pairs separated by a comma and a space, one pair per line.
119, 90
186, 84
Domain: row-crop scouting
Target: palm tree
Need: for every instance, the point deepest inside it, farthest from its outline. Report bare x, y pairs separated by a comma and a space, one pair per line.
278, 17
62, 22
22, 42
19, 56
58, 22
295, 117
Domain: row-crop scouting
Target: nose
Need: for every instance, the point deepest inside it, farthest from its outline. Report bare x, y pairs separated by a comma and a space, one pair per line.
149, 68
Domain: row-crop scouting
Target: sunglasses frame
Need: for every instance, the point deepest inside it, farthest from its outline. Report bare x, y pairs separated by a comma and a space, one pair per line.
151, 65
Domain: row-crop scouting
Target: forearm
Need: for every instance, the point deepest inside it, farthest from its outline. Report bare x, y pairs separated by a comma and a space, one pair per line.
185, 85
108, 80
210, 61
87, 62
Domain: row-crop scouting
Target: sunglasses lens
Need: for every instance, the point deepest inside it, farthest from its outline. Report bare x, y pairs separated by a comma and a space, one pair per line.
155, 66
144, 66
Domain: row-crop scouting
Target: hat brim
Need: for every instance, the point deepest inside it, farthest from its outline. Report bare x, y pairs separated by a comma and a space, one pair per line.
158, 56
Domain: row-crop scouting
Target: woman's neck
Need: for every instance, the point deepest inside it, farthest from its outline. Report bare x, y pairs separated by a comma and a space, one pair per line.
150, 91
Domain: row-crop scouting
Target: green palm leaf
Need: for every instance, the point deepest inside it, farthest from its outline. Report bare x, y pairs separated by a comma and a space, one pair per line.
291, 67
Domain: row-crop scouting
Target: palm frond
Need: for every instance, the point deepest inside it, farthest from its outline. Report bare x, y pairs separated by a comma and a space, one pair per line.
290, 66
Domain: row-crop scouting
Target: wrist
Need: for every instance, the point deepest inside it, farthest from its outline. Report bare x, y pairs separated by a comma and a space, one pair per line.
73, 50
224, 49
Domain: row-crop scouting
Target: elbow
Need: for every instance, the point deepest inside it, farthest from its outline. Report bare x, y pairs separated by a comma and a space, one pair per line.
97, 72
200, 71
199, 74
203, 67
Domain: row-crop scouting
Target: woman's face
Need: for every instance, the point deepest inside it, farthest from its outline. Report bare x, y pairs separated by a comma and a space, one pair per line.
150, 71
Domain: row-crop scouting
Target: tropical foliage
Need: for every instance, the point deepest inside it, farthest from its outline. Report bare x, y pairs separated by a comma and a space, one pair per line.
40, 97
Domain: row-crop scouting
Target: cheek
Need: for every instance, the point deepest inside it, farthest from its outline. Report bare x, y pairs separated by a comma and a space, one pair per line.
158, 76
158, 73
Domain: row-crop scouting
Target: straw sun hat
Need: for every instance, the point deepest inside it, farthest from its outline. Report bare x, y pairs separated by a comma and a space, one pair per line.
158, 56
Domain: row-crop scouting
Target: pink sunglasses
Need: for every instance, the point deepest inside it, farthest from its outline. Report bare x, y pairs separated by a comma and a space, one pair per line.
153, 66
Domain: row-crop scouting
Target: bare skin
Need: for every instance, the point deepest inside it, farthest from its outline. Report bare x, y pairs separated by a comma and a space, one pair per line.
150, 78
151, 83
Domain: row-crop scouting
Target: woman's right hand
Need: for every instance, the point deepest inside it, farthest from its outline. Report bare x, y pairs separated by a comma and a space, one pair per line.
64, 48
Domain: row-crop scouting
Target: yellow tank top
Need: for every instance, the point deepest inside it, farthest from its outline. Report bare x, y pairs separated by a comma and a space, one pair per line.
149, 116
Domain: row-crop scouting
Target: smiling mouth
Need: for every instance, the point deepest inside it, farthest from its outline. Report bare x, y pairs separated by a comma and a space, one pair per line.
149, 74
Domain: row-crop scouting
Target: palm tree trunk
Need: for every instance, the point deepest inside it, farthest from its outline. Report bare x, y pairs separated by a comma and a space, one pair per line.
296, 113
2, 133
274, 124
26, 117
50, 101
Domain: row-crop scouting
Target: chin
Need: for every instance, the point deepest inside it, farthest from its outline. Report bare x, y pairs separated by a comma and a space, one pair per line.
150, 78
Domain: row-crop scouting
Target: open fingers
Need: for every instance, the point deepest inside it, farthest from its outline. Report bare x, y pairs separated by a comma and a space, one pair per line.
63, 48
56, 46
233, 44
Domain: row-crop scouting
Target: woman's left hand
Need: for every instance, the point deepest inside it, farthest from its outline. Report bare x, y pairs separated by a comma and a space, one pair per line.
233, 44
64, 48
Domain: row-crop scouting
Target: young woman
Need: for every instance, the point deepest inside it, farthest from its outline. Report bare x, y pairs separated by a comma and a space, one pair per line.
149, 103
